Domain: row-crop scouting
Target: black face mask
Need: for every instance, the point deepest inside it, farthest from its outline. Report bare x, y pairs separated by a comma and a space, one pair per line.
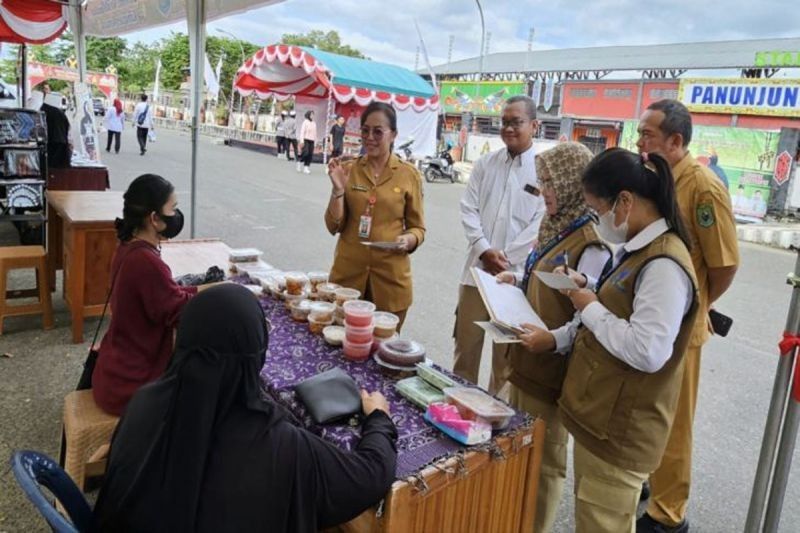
174, 224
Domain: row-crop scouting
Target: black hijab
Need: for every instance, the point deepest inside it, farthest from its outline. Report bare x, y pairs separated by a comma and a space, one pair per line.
161, 448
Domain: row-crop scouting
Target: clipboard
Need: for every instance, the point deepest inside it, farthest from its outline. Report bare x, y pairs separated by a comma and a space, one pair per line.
507, 305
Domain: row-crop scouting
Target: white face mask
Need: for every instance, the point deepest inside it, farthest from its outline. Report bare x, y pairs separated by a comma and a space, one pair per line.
610, 232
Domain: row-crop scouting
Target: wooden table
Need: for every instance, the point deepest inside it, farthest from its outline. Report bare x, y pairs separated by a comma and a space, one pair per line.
482, 492
81, 239
78, 179
195, 256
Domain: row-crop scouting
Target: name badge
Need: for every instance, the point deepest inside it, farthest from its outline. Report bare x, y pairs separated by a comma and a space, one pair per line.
364, 226
530, 189
360, 188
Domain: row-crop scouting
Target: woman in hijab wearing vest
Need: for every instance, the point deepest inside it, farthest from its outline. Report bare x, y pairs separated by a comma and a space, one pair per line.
567, 236
619, 395
203, 448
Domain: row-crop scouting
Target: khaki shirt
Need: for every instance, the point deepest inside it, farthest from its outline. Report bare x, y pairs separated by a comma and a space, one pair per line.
398, 209
706, 208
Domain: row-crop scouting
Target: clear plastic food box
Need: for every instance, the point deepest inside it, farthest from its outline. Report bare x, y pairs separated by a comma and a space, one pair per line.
473, 403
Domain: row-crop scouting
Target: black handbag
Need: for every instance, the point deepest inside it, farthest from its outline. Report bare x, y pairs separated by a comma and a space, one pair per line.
330, 397
85, 381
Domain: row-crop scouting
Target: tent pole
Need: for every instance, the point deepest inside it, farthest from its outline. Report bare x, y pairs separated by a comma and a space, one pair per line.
23, 66
79, 36
196, 11
328, 114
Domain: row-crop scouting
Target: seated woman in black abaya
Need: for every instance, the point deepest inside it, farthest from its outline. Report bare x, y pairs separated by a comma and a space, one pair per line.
201, 450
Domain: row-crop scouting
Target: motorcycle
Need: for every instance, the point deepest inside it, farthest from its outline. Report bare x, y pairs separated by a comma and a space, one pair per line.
439, 167
405, 148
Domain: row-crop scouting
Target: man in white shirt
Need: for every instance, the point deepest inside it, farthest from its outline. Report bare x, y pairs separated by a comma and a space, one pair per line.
143, 118
501, 211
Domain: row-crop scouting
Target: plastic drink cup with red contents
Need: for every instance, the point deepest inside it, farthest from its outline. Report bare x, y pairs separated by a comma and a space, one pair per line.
358, 335
358, 313
357, 352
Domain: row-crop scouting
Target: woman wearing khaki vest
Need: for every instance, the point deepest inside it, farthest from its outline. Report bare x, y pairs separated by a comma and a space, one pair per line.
620, 392
538, 365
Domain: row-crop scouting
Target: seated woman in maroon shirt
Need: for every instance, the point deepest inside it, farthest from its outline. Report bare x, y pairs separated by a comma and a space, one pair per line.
146, 302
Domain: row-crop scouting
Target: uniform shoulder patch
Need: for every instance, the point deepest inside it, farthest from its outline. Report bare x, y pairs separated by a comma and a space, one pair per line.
705, 215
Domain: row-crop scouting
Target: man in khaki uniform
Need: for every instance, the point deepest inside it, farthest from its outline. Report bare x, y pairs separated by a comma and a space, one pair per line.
666, 129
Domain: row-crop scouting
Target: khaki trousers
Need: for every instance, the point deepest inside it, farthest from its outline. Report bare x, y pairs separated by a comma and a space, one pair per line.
469, 342
554, 457
670, 483
606, 496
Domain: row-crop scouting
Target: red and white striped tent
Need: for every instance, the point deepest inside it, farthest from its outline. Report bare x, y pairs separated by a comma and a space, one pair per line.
31, 21
313, 76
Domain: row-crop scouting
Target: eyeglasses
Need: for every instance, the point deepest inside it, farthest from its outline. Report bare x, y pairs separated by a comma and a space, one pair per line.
515, 124
377, 133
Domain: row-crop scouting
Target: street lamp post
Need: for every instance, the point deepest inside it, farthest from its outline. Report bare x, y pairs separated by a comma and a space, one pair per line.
483, 40
233, 80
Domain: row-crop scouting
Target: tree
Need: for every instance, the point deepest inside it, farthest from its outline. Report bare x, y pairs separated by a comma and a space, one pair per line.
328, 42
231, 53
137, 70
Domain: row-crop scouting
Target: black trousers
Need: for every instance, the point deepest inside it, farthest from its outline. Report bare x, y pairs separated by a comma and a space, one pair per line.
117, 137
293, 143
141, 136
337, 151
281, 144
308, 153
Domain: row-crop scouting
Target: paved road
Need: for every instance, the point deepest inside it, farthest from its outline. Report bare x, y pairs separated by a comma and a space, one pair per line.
250, 199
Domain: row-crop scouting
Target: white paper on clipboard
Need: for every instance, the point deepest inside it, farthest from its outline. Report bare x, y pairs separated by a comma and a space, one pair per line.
556, 280
507, 304
498, 334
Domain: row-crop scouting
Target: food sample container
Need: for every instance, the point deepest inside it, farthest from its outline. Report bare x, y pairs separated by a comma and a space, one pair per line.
316, 279
376, 341
300, 309
356, 351
401, 352
358, 335
334, 335
344, 294
322, 311
327, 291
386, 324
296, 283
245, 255
419, 392
358, 313
316, 326
440, 380
473, 403
338, 316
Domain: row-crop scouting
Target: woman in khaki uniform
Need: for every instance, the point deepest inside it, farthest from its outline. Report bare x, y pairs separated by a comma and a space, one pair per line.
567, 236
376, 198
620, 393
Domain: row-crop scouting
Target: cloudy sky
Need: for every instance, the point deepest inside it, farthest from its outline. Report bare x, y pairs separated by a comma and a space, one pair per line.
384, 29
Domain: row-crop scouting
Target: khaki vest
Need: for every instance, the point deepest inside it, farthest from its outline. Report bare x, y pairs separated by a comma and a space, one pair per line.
620, 414
542, 374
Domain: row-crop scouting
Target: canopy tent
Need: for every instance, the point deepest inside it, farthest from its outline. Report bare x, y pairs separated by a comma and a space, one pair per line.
101, 18
282, 71
31, 21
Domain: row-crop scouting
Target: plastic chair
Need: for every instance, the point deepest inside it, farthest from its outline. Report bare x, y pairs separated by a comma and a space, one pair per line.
32, 470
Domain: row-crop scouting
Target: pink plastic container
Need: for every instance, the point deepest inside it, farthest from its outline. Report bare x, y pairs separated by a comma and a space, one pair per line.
358, 313
358, 335
357, 352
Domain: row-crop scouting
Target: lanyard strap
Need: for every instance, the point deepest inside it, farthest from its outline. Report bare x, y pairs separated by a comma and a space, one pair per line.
537, 253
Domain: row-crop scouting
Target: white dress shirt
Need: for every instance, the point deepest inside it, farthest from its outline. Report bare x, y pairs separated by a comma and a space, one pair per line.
147, 109
591, 264
496, 210
663, 296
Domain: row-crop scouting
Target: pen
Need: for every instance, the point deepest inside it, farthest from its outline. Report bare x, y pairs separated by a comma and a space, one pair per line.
565, 258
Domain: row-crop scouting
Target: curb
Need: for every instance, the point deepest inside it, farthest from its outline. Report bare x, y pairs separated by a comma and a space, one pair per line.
777, 236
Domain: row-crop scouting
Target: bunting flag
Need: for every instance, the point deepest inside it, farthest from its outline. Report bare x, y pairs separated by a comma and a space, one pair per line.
212, 86
218, 74
155, 84
537, 92
549, 89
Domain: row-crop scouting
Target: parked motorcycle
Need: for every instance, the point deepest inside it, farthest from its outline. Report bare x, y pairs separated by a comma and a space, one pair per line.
439, 167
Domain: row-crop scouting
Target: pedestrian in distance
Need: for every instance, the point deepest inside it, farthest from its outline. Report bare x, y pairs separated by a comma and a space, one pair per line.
114, 122
290, 129
336, 137
308, 136
143, 118
280, 135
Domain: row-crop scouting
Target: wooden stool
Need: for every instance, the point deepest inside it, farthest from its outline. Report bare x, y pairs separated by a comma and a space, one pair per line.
87, 434
17, 257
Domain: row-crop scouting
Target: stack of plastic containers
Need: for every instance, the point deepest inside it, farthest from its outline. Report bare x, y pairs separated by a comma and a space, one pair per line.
359, 325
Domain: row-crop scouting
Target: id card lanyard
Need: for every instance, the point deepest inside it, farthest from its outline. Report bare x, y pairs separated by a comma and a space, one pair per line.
365, 223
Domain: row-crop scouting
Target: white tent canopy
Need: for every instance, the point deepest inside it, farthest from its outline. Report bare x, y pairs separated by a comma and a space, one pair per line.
101, 18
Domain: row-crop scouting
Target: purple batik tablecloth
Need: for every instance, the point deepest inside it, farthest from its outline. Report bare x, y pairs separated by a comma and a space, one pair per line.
295, 355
